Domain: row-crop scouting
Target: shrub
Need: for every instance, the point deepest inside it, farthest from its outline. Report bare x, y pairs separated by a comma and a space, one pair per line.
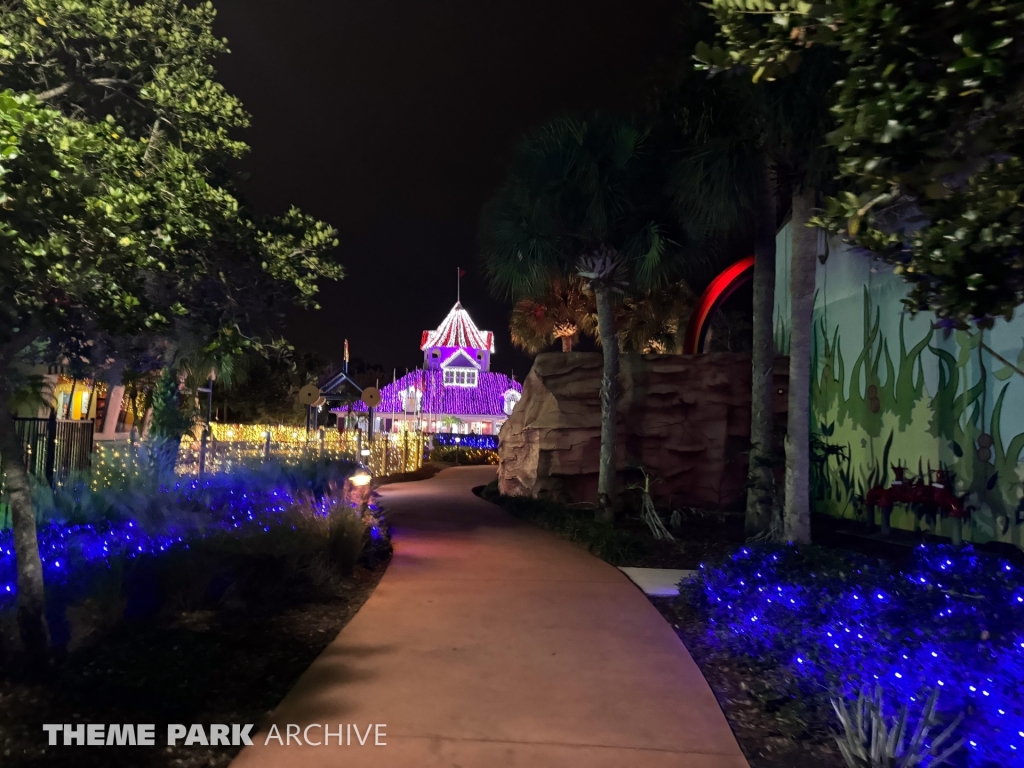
870, 739
347, 538
490, 442
951, 620
232, 539
451, 453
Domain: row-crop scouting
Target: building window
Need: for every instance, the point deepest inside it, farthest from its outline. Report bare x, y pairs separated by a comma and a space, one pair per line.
460, 377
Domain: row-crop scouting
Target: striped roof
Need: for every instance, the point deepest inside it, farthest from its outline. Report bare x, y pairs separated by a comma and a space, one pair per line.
458, 330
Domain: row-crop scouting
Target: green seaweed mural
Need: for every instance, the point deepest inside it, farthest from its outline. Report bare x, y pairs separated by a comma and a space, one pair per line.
879, 412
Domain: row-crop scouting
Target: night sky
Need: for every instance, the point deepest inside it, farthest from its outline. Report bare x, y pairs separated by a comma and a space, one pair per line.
394, 121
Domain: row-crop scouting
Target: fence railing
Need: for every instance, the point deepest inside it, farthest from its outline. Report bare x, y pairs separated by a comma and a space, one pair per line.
232, 445
55, 449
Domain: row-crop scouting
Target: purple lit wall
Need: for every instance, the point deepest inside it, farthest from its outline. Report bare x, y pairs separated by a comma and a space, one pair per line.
487, 398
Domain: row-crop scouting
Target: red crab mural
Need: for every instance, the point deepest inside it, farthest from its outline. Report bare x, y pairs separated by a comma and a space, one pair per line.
925, 499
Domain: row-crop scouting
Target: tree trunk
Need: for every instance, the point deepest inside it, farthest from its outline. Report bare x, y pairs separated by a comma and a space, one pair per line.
797, 517
609, 399
35, 635
567, 343
760, 493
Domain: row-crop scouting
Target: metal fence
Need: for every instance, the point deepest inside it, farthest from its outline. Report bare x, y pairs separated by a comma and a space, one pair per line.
55, 448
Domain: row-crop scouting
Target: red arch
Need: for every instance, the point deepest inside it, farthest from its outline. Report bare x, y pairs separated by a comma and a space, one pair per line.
721, 288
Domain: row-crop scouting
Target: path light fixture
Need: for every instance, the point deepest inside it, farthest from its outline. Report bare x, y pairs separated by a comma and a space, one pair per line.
457, 441
360, 479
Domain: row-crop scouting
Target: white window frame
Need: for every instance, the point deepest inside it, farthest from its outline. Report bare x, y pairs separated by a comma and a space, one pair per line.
460, 377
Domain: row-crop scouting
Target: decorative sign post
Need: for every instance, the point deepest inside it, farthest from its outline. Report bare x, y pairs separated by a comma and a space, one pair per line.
308, 396
371, 396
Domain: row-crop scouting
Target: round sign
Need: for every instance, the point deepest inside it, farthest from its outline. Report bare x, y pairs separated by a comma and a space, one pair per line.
309, 394
371, 396
320, 401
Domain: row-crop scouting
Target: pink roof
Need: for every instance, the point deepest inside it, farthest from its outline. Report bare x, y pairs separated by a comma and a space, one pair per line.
458, 330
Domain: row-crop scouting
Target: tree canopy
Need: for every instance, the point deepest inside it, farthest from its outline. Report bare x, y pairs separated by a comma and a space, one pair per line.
927, 104
576, 186
120, 218
121, 232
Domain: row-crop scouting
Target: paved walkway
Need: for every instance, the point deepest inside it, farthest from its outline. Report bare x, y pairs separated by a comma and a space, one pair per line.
490, 643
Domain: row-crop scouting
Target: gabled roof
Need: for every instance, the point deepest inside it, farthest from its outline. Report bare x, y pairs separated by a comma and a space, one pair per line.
458, 359
458, 330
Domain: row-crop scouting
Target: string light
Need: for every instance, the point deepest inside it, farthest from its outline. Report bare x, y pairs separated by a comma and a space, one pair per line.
241, 503
485, 442
236, 445
233, 494
950, 619
487, 398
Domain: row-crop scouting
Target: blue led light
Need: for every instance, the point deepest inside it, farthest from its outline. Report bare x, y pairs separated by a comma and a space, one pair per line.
227, 502
951, 618
486, 442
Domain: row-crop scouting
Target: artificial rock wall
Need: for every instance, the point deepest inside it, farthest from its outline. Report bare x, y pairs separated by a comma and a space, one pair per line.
686, 417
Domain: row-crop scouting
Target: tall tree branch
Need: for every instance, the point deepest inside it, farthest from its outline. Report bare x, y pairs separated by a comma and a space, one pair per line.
60, 90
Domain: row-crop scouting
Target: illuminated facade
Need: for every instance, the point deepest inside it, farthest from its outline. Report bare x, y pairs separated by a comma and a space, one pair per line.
456, 390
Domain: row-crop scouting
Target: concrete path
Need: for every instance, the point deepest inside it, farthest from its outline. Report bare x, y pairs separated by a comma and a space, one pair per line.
491, 643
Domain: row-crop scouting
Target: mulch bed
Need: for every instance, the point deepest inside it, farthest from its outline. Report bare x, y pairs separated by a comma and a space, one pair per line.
771, 733
700, 538
225, 666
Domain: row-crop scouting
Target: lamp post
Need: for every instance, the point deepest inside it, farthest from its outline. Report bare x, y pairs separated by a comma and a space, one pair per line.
457, 441
207, 430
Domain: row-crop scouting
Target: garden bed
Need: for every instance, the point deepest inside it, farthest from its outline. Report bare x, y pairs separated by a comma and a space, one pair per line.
171, 600
629, 543
773, 731
808, 623
198, 666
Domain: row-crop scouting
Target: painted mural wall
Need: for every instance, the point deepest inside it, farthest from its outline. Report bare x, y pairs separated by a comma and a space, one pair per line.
890, 389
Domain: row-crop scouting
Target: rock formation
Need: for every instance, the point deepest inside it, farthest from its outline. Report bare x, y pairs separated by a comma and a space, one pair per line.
686, 418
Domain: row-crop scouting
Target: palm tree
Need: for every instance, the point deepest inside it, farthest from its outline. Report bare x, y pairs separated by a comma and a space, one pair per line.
583, 196
561, 313
725, 180
756, 151
655, 321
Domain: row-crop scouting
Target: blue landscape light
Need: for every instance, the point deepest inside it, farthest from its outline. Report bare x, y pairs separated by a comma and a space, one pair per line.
951, 618
486, 442
225, 503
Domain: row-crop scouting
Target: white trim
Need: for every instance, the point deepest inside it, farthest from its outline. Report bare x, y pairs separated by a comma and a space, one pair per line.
456, 353
469, 377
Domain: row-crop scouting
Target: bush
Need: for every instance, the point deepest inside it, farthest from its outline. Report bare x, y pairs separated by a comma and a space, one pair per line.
231, 540
453, 454
825, 620
347, 538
